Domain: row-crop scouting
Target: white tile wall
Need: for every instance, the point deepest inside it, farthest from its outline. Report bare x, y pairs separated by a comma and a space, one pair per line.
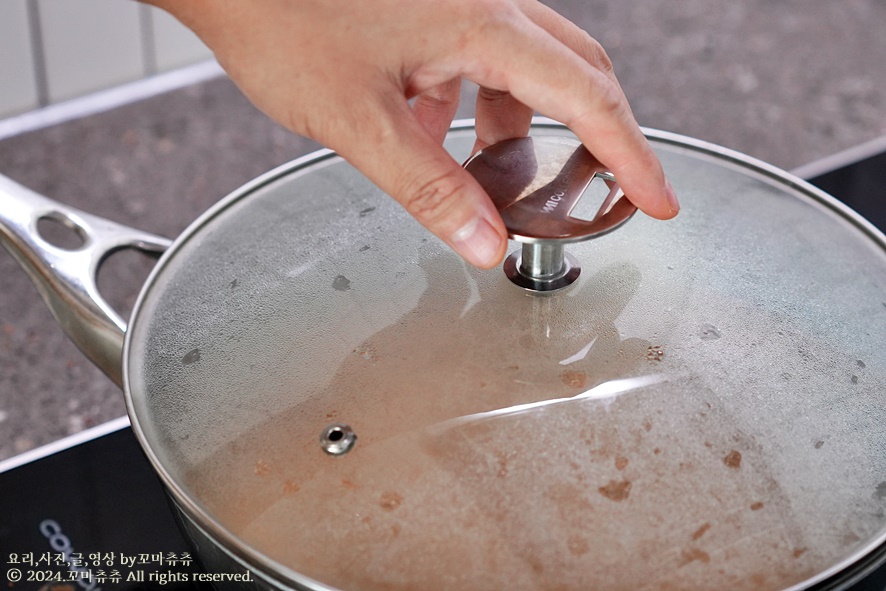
174, 44
89, 45
18, 84
53, 50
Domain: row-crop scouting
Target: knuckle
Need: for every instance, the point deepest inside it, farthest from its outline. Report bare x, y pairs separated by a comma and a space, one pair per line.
492, 18
609, 99
487, 8
491, 96
607, 102
589, 49
434, 103
597, 55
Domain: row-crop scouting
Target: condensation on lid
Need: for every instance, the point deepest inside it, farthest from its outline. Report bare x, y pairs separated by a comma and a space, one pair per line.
705, 404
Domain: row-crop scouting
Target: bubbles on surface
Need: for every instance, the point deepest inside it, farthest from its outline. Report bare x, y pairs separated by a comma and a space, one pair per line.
654, 353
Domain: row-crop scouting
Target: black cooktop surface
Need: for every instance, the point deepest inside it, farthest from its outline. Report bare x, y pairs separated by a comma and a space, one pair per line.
89, 517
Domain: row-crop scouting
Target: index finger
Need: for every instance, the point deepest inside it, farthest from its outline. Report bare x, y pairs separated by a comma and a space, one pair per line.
519, 56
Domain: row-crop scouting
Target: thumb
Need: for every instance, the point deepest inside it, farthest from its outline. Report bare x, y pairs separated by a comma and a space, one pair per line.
398, 154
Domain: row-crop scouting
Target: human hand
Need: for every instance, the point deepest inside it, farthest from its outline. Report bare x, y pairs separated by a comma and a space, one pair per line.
343, 73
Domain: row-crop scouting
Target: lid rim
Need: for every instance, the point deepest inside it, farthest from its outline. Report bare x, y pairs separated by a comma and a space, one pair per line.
231, 542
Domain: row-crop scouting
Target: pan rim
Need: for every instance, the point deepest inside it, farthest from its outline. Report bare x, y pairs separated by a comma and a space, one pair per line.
250, 558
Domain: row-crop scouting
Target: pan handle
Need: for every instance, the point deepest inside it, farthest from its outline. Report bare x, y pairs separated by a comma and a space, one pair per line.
66, 278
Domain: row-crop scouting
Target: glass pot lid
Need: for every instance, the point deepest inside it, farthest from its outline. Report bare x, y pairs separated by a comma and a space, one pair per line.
706, 402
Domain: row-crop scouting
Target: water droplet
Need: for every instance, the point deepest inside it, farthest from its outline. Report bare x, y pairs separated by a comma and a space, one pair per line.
709, 332
365, 352
733, 459
692, 554
578, 546
366, 212
616, 490
262, 468
390, 501
818, 444
341, 283
190, 357
232, 284
701, 531
854, 379
364, 248
881, 491
860, 364
574, 379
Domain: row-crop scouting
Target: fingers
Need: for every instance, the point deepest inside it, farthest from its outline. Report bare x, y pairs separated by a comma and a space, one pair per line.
499, 117
405, 160
570, 35
435, 108
544, 73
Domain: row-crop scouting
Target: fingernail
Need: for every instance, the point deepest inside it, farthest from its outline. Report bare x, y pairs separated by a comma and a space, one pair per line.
478, 242
672, 196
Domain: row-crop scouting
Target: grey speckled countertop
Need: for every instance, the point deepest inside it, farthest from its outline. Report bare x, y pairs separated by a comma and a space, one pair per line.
787, 82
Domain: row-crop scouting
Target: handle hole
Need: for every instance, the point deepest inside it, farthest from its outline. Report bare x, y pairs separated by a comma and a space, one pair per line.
61, 232
121, 277
588, 207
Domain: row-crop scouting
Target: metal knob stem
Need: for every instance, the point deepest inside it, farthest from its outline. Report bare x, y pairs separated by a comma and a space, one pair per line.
536, 184
544, 260
541, 267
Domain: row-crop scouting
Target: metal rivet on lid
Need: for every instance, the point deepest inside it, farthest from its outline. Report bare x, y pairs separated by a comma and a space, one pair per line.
337, 439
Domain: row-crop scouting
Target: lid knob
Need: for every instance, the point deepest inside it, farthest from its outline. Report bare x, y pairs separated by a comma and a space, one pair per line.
536, 184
